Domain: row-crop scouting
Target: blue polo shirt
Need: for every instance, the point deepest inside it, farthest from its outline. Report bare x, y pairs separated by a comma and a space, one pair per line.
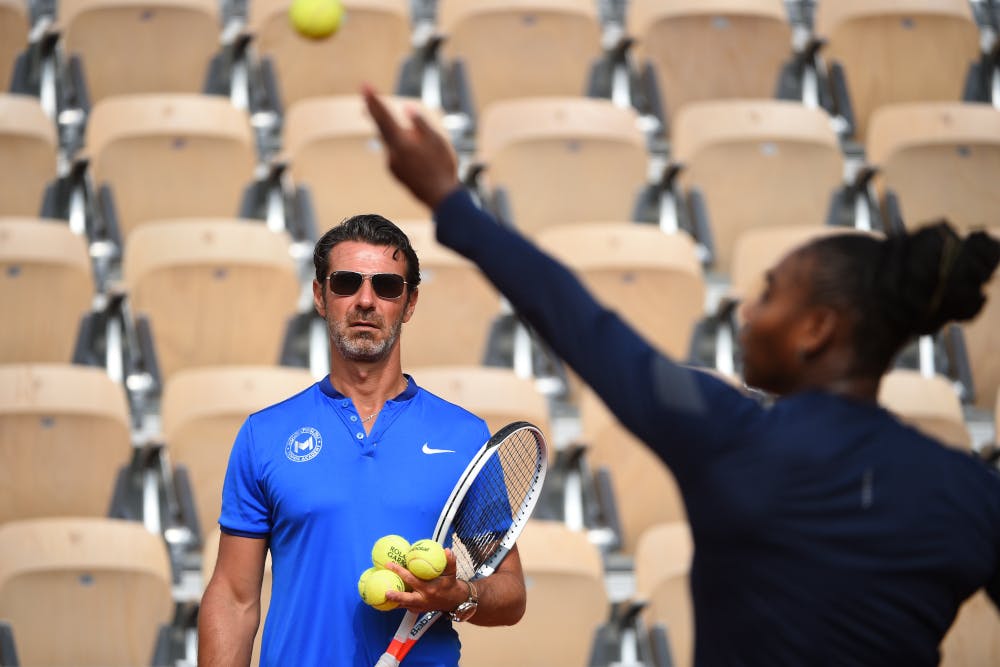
305, 476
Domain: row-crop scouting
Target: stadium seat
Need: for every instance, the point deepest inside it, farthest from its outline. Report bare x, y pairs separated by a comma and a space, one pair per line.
547, 46
645, 491
64, 436
974, 638
166, 156
370, 47
29, 145
332, 147
202, 411
13, 37
562, 160
456, 307
567, 603
756, 163
42, 260
652, 279
141, 46
898, 50
211, 554
981, 340
497, 395
662, 562
85, 592
710, 50
938, 160
930, 404
215, 293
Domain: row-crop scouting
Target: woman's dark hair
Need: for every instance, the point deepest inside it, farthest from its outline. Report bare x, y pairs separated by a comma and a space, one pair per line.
367, 228
902, 286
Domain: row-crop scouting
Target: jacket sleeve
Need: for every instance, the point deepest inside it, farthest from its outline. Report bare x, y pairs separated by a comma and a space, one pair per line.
671, 408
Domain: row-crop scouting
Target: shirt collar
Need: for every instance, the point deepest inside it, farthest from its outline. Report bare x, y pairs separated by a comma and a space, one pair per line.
409, 392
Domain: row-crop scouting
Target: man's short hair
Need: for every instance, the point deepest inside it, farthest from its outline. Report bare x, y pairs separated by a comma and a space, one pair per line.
367, 228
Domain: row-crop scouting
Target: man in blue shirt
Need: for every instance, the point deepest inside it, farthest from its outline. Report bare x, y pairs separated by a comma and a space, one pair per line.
319, 477
826, 531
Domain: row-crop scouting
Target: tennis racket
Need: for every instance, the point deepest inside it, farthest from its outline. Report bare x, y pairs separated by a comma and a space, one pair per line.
486, 511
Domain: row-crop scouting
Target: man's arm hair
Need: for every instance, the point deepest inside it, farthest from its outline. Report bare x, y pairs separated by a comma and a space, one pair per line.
502, 595
230, 608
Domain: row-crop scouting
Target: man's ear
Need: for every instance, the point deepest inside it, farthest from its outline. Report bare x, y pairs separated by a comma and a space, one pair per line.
818, 330
411, 303
319, 298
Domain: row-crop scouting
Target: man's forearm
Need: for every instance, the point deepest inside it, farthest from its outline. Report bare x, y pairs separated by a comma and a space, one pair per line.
226, 630
502, 599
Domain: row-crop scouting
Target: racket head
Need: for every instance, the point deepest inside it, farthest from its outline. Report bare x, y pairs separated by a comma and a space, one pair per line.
493, 499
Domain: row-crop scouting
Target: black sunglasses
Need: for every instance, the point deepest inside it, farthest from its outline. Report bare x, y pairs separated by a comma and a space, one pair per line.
386, 285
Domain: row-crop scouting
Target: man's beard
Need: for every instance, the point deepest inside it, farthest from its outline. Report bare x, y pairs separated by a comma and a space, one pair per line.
362, 345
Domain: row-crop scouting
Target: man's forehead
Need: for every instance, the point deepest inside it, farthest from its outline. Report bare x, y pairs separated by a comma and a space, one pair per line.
364, 250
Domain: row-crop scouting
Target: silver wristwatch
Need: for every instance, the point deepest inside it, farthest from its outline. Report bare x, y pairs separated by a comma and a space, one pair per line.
465, 610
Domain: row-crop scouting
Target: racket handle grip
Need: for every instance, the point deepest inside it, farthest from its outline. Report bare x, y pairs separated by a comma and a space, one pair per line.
387, 661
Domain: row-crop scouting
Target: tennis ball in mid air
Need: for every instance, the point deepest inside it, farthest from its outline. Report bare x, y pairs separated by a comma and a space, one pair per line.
376, 584
426, 559
390, 548
316, 19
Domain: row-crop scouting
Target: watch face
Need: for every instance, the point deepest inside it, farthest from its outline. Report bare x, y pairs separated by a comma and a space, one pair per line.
464, 611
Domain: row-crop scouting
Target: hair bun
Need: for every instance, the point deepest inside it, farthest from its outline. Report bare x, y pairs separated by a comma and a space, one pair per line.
939, 275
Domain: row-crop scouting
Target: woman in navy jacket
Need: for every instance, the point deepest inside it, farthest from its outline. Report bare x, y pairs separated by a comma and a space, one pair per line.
826, 532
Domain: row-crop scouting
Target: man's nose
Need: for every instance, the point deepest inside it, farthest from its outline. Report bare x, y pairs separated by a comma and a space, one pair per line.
366, 293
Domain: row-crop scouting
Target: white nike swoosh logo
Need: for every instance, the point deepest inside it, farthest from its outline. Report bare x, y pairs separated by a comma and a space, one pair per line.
430, 450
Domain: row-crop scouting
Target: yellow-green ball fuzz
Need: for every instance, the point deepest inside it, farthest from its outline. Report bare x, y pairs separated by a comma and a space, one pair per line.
362, 579
390, 548
426, 559
376, 584
316, 19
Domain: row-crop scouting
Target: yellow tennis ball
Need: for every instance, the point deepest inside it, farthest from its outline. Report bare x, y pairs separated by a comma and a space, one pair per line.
377, 584
316, 19
426, 559
362, 579
390, 548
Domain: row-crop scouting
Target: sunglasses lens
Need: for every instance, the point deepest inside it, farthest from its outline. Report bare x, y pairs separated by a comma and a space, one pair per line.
387, 285
345, 283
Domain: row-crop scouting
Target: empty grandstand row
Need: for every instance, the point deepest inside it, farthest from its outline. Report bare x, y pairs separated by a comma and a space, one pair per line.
166, 167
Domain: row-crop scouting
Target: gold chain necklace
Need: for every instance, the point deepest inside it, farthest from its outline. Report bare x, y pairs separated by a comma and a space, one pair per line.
365, 420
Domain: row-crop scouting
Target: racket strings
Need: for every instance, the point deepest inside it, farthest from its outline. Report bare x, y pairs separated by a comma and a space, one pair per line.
497, 501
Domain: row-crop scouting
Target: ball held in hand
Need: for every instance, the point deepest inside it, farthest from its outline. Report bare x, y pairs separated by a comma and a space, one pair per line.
426, 559
362, 579
316, 19
390, 548
376, 585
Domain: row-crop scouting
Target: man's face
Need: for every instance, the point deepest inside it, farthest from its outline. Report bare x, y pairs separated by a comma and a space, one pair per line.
364, 326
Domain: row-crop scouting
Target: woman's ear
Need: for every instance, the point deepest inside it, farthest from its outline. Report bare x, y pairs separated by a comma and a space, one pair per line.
818, 330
